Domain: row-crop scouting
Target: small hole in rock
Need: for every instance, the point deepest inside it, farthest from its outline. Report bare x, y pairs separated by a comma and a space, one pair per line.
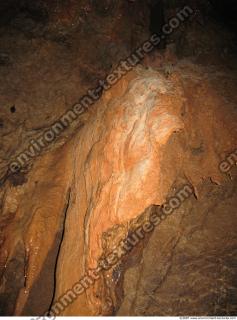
13, 109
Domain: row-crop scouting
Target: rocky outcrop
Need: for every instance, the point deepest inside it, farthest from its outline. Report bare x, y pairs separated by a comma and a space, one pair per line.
151, 133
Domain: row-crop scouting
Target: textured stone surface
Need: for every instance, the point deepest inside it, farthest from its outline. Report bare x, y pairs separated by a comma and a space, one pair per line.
165, 124
148, 133
49, 61
189, 264
30, 230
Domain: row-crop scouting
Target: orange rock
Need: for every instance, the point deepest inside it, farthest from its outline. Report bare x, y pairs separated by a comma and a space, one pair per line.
144, 133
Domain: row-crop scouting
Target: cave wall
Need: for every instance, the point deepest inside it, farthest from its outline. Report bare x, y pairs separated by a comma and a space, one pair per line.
147, 134
189, 263
58, 50
165, 124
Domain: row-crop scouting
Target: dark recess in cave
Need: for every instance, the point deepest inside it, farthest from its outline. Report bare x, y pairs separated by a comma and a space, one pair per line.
157, 19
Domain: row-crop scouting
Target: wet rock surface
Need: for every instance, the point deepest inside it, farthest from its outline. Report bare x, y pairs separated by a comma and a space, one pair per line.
143, 136
169, 122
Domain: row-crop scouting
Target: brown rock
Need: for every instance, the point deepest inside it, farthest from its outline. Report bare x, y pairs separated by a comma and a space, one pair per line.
146, 134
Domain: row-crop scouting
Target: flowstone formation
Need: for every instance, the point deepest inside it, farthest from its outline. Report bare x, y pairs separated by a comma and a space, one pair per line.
146, 137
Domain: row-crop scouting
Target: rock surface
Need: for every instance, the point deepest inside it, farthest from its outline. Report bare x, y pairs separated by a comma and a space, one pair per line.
162, 126
48, 60
189, 264
148, 135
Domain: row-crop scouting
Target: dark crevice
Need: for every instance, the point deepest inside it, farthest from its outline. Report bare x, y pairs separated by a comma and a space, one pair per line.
157, 20
60, 244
